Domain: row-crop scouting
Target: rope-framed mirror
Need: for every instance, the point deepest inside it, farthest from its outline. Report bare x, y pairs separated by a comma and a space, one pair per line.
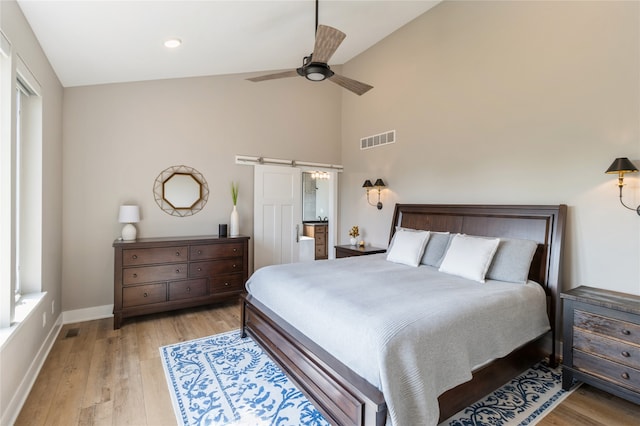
181, 191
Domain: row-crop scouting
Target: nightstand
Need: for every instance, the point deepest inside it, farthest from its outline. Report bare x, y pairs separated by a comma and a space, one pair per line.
602, 341
349, 250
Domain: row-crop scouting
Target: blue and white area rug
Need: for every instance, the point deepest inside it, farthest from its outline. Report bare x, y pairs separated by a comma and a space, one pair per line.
525, 400
225, 380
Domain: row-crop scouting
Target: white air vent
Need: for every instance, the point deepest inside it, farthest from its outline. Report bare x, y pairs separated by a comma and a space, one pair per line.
378, 140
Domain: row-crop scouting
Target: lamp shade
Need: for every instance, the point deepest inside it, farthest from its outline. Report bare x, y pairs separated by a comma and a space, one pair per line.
379, 183
622, 164
129, 214
367, 184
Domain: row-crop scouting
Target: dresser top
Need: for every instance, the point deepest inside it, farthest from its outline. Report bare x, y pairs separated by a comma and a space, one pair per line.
605, 298
194, 239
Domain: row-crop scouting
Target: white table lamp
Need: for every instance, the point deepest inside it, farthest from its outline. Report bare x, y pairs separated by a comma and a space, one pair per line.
129, 215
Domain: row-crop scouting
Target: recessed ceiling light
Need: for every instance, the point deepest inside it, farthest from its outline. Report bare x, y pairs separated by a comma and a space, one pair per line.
173, 43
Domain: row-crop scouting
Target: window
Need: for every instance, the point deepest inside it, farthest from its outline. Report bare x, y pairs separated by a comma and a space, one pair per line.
20, 188
6, 292
21, 126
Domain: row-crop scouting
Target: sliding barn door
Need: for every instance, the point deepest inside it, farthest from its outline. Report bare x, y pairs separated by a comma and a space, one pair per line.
277, 214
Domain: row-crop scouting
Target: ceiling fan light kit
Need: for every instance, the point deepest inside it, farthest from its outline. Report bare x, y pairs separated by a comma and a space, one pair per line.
315, 71
315, 67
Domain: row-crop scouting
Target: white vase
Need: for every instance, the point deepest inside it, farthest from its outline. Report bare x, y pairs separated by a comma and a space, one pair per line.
234, 227
354, 241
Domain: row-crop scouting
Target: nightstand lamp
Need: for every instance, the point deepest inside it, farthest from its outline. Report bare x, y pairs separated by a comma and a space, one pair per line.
129, 215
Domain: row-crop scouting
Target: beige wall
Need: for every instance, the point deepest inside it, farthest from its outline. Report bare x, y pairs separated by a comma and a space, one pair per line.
119, 137
506, 102
493, 102
22, 353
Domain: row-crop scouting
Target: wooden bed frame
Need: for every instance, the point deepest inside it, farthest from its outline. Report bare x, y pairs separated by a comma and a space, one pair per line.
342, 396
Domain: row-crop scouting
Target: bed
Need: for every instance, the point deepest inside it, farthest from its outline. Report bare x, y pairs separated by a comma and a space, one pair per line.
348, 394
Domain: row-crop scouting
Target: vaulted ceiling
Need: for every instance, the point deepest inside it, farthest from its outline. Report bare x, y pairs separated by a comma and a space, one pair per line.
96, 42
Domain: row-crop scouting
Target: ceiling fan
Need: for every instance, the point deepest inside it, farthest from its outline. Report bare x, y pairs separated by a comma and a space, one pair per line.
315, 68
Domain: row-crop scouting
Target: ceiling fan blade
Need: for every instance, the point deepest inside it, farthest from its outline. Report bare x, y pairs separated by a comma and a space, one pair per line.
355, 86
283, 74
328, 40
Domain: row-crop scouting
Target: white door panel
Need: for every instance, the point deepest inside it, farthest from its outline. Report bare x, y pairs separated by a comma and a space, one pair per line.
277, 214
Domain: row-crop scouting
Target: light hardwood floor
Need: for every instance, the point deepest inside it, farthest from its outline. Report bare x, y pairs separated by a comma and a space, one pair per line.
103, 376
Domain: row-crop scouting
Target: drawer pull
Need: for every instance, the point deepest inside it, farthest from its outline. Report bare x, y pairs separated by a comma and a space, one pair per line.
177, 271
226, 284
235, 250
134, 257
145, 294
135, 275
625, 376
188, 289
199, 251
626, 354
177, 253
626, 332
199, 269
234, 266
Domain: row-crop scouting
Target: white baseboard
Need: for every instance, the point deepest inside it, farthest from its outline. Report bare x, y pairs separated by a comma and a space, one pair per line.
87, 314
13, 410
10, 414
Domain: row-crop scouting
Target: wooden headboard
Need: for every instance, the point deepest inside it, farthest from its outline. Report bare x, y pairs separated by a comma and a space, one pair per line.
543, 224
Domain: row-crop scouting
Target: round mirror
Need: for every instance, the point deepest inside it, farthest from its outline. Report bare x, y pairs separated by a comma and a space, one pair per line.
181, 191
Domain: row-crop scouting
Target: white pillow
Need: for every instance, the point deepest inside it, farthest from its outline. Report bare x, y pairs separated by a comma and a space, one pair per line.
400, 229
469, 257
407, 247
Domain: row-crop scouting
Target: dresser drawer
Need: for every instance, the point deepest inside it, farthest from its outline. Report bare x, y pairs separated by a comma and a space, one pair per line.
214, 251
224, 283
145, 274
144, 294
214, 267
622, 330
611, 371
611, 349
146, 256
188, 289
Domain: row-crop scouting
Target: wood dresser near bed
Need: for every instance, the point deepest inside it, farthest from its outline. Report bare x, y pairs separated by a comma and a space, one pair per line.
161, 274
342, 396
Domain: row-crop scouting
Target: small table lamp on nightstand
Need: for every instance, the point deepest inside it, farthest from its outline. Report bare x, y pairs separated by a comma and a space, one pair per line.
129, 215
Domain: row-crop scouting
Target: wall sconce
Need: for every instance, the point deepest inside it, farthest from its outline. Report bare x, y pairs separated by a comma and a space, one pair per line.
622, 166
378, 185
129, 215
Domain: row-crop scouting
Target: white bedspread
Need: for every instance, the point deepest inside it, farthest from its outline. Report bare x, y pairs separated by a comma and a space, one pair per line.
412, 332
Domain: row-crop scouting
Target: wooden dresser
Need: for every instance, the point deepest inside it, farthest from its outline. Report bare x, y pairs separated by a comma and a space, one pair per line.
601, 344
318, 231
161, 274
